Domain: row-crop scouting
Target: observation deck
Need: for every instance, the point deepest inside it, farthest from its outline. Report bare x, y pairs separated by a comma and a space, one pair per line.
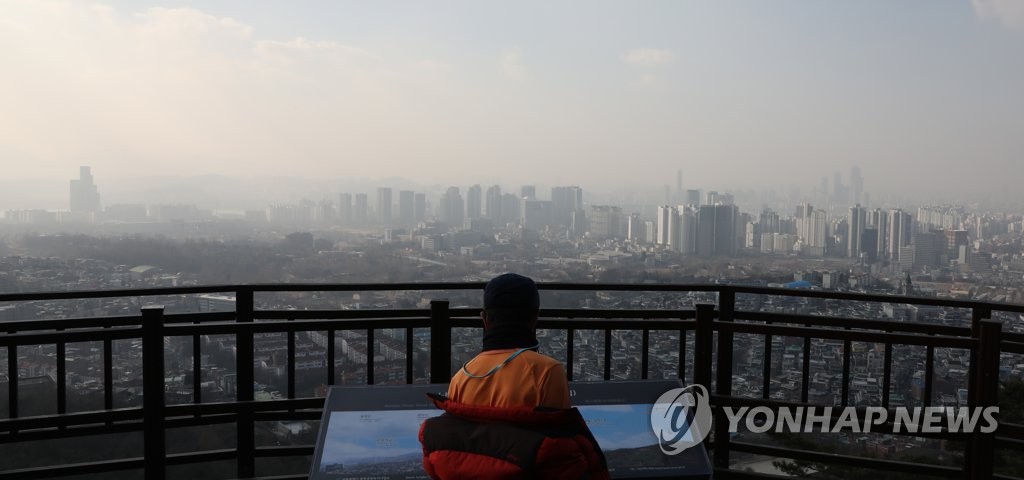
750, 346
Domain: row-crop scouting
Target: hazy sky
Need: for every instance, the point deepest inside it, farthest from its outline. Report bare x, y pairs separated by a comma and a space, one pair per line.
593, 93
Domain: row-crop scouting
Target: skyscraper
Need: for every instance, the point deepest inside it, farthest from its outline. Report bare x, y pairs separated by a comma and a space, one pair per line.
716, 230
84, 195
840, 195
452, 207
816, 233
419, 207
384, 205
474, 202
536, 214
635, 231
675, 230
692, 198
899, 233
855, 229
710, 197
511, 207
605, 221
687, 230
345, 209
406, 207
528, 192
359, 211
856, 186
677, 196
879, 219
665, 214
565, 201
493, 205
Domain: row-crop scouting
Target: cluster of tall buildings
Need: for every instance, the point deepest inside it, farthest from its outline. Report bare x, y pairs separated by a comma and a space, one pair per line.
457, 208
691, 222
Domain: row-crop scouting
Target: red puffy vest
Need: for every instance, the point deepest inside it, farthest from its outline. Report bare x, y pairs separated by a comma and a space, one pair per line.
471, 442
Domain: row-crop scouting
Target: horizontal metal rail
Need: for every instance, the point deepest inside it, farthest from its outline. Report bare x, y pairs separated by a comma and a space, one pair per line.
852, 335
859, 323
440, 286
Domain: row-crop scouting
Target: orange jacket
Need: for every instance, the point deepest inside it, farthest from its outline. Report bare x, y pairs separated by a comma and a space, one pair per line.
528, 380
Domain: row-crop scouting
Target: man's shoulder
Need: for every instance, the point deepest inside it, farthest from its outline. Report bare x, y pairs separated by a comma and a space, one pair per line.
540, 359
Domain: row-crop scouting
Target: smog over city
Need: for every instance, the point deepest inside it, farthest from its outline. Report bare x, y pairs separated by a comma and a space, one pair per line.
832, 169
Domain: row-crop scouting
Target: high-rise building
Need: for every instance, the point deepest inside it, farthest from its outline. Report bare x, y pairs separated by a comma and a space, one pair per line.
528, 192
716, 230
925, 250
840, 194
85, 197
869, 243
564, 202
710, 197
650, 232
803, 211
452, 207
687, 230
511, 207
815, 234
493, 205
678, 198
956, 239
419, 207
360, 211
665, 214
692, 198
855, 226
856, 186
605, 221
324, 213
345, 209
879, 219
899, 233
939, 218
579, 223
675, 230
474, 202
770, 221
635, 231
406, 207
384, 205
537, 214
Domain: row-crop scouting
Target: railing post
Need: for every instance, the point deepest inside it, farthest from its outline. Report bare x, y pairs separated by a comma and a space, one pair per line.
977, 315
980, 453
723, 377
153, 392
702, 344
440, 342
245, 384
12, 379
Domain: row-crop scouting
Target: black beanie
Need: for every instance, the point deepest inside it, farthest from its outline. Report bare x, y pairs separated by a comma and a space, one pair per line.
511, 292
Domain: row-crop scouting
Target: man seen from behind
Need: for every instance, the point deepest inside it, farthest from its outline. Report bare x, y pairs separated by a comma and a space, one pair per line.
508, 413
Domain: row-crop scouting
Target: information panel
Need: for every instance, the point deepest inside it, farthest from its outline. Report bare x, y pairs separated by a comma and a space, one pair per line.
372, 432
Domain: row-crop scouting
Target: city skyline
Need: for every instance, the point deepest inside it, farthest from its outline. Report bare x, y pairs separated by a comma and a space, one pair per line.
229, 194
604, 95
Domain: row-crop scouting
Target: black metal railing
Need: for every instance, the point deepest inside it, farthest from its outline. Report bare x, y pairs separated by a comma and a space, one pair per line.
713, 326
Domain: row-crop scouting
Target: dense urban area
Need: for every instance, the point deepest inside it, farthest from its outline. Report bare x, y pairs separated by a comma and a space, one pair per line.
833, 239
